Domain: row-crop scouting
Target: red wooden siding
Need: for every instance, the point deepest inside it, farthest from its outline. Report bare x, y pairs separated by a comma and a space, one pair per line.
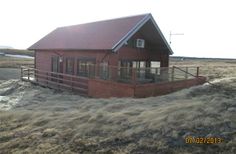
43, 58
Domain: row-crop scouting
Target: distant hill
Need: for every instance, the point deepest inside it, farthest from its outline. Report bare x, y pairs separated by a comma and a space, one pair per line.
16, 52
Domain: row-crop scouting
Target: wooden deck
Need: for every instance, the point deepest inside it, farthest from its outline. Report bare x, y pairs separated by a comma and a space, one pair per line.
54, 80
139, 83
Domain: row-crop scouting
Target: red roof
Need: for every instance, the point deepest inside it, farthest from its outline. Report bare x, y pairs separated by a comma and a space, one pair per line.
101, 35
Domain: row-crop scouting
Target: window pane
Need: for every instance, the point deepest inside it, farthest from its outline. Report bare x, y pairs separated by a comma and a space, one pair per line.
155, 65
70, 65
126, 69
104, 72
55, 64
86, 68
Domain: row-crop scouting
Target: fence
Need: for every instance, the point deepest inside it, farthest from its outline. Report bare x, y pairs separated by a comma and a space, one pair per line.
117, 74
55, 80
146, 75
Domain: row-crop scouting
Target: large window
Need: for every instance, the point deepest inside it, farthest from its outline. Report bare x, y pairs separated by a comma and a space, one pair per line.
70, 66
125, 71
155, 65
86, 67
55, 64
140, 68
55, 67
104, 70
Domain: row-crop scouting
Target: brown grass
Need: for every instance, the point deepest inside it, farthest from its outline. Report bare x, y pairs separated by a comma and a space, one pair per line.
17, 52
11, 62
40, 120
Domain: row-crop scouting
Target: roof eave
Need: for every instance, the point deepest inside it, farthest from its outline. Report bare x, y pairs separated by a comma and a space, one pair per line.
69, 49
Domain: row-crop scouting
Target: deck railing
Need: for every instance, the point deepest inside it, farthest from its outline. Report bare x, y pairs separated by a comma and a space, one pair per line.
147, 75
55, 80
112, 73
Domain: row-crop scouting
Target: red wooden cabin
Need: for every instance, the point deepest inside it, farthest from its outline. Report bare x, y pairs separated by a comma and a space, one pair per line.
110, 54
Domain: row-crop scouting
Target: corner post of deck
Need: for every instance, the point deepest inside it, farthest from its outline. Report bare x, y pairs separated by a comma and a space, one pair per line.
197, 71
173, 73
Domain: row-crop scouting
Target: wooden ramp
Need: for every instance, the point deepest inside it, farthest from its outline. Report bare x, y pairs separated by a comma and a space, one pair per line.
58, 81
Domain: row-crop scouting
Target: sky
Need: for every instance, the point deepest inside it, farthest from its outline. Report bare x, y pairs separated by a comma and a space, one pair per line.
209, 26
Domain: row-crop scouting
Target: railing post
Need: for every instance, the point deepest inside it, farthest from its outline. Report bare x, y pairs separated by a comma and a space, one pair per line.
109, 73
197, 71
21, 73
173, 73
36, 75
28, 74
186, 73
156, 78
58, 81
71, 80
134, 75
88, 66
47, 79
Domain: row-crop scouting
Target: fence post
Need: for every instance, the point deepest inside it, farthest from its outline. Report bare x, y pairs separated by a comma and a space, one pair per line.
156, 78
186, 73
197, 71
47, 79
134, 75
28, 74
36, 75
71, 80
58, 81
173, 73
21, 73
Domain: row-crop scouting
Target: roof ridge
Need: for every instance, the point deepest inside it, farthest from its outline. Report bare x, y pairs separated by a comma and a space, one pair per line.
105, 20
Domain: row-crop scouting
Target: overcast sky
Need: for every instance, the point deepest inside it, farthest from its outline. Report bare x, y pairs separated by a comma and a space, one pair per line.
209, 26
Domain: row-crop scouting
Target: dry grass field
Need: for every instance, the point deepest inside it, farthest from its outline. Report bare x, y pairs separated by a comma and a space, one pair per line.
12, 62
17, 52
40, 120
